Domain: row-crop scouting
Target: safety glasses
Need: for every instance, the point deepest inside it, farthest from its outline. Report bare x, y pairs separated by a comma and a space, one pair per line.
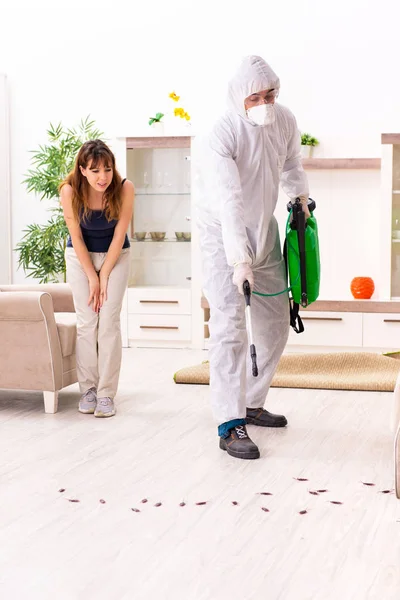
265, 97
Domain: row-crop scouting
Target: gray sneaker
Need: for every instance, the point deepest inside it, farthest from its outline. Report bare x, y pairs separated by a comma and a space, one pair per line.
105, 407
87, 403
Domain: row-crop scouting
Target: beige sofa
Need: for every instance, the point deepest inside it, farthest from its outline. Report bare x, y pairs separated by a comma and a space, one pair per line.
37, 339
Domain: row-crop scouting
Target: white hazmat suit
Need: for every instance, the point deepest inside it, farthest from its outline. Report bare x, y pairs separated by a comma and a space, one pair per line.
240, 167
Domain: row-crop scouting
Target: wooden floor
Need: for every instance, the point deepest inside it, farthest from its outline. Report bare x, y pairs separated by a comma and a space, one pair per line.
162, 446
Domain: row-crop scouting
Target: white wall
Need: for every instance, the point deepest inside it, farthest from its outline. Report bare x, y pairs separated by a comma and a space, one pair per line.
337, 62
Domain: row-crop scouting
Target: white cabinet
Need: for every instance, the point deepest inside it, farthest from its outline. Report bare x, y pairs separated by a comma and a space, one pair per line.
158, 307
389, 215
159, 317
329, 329
367, 327
381, 330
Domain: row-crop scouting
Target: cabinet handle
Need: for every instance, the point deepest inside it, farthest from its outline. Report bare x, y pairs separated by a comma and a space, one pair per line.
156, 327
159, 301
321, 318
391, 320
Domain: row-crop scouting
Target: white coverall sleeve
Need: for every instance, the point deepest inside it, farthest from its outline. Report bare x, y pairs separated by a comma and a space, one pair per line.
227, 191
294, 180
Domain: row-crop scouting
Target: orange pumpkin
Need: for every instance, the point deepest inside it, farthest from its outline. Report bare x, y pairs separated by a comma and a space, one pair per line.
362, 288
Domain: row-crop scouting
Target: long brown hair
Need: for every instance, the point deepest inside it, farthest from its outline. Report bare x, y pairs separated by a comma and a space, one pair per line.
94, 153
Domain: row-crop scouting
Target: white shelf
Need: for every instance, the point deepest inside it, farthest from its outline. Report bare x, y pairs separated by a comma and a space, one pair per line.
341, 163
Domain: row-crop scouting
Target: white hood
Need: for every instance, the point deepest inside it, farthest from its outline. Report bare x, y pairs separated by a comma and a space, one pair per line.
253, 75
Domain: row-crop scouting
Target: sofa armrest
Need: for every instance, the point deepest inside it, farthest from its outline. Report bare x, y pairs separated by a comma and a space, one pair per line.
30, 350
60, 292
15, 306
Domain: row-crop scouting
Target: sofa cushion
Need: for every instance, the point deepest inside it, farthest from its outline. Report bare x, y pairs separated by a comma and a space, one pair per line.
66, 326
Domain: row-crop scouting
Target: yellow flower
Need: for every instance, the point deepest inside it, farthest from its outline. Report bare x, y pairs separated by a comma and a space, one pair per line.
186, 116
178, 112
174, 97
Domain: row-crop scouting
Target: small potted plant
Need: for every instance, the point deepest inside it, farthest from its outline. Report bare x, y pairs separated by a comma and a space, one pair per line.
156, 123
308, 142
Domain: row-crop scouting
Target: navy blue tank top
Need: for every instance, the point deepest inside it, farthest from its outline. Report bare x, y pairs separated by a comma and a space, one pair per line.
97, 232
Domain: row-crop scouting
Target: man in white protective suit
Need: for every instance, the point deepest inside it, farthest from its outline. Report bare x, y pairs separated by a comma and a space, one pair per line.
252, 149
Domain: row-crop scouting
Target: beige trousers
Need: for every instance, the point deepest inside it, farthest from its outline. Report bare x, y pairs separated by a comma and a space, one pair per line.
98, 344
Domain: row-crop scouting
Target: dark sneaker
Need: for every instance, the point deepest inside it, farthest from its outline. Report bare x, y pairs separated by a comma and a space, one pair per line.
238, 444
263, 418
105, 407
88, 401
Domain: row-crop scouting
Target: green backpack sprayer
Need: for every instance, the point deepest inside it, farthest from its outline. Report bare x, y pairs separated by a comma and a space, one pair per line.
301, 254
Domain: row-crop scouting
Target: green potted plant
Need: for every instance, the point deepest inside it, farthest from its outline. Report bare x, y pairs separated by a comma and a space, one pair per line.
156, 122
308, 142
41, 249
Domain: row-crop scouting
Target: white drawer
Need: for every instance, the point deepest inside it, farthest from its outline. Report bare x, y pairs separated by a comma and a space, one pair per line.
328, 329
159, 327
160, 301
381, 330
